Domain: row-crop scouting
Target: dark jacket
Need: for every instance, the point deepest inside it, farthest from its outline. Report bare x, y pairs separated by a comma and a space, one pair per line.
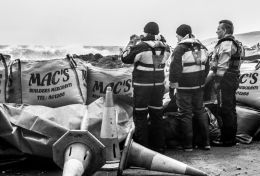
149, 58
184, 69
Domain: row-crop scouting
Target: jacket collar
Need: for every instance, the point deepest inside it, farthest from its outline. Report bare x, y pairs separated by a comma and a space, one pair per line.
189, 40
228, 36
155, 43
150, 37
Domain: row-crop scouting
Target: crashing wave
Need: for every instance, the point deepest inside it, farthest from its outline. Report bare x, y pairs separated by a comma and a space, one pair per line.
50, 52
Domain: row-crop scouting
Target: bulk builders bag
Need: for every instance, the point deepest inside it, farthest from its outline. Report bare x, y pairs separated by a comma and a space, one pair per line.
51, 83
119, 79
248, 91
248, 121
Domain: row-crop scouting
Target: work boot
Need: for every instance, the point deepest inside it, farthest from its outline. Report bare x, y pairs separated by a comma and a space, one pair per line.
219, 143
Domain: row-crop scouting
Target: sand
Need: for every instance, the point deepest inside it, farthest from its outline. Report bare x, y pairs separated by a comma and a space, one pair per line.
240, 160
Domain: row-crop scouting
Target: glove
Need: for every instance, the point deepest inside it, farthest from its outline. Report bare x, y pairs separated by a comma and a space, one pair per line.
171, 93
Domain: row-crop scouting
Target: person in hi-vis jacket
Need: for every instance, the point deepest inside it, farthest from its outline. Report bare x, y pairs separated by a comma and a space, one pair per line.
225, 70
188, 71
148, 56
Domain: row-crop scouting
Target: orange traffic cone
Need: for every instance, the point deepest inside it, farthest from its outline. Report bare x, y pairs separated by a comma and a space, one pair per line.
78, 152
77, 156
139, 156
109, 134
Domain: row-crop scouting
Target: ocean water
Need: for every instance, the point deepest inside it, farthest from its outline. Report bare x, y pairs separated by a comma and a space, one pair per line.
55, 52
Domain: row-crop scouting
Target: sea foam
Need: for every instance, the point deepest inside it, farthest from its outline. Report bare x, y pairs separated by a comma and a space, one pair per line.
51, 52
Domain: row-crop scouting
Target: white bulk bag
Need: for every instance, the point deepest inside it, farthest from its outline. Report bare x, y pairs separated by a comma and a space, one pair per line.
51, 83
249, 84
119, 79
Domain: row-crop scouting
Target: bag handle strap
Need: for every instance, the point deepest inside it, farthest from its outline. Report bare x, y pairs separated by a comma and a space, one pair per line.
257, 65
2, 58
18, 61
73, 66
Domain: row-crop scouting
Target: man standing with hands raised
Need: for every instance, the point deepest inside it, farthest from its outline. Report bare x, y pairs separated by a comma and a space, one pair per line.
148, 56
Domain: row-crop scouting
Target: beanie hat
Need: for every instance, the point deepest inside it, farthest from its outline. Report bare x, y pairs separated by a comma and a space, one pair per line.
183, 30
151, 28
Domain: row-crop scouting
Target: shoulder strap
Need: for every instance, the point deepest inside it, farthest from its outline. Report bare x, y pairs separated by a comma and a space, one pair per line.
228, 39
191, 46
234, 42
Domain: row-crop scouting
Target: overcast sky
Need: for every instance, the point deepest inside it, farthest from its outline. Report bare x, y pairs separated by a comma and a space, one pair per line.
111, 22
